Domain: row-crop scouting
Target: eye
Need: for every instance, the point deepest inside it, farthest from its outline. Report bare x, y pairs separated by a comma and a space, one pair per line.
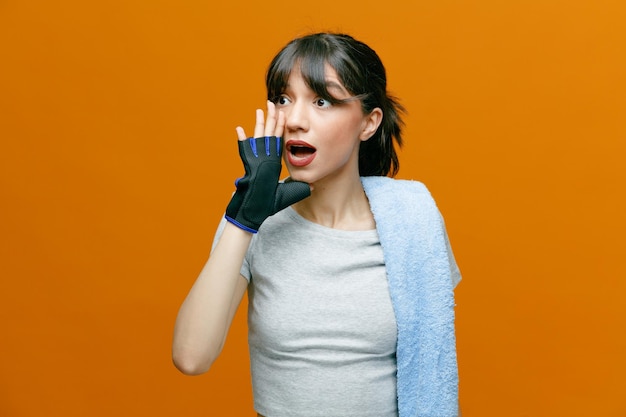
322, 103
282, 100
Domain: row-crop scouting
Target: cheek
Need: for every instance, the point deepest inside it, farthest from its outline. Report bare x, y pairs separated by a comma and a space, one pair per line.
347, 128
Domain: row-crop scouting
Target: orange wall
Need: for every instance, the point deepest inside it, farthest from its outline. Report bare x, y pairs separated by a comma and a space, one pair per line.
117, 158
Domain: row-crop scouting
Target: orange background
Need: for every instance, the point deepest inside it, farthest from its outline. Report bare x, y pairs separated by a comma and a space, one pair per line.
117, 159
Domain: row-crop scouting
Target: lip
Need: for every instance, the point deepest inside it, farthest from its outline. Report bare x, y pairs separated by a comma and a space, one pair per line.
299, 161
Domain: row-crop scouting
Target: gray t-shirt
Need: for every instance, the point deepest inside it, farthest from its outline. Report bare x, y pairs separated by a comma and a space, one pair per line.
322, 330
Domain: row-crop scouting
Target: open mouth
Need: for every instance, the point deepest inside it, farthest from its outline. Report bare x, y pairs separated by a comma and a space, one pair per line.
299, 153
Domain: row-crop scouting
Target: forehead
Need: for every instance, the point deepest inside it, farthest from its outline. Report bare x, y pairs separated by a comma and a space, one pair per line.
315, 69
325, 73
330, 87
321, 78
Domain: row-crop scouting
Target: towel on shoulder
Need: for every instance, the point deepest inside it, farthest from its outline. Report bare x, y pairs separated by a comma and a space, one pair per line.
413, 239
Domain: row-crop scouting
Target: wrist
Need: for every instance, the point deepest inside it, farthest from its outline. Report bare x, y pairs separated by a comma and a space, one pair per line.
240, 226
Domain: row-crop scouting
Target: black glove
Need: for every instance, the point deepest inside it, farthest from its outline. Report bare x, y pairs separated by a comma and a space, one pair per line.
259, 194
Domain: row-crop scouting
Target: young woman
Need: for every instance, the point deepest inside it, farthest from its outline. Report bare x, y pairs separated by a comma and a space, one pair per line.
349, 273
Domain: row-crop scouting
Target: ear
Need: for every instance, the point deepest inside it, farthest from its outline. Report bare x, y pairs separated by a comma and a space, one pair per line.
371, 123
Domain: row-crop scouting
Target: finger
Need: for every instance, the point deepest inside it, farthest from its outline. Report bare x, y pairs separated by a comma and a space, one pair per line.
259, 126
270, 122
280, 124
241, 134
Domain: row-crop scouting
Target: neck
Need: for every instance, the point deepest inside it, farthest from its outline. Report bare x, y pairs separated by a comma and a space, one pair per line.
340, 204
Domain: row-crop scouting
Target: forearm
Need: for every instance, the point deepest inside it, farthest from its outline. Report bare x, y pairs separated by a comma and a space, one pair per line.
206, 314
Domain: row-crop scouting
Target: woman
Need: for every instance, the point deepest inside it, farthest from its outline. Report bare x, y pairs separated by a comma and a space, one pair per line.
349, 273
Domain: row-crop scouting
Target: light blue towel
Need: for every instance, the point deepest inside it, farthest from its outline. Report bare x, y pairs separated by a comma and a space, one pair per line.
411, 233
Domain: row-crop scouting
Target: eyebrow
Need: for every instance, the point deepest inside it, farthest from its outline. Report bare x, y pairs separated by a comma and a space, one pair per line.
335, 86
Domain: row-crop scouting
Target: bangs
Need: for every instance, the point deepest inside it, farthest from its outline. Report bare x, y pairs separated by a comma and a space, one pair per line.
310, 57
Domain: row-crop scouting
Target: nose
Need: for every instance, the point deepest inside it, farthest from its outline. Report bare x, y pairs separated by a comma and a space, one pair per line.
296, 117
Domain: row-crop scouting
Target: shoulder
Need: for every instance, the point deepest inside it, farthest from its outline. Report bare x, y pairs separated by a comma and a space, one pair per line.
400, 200
391, 190
390, 185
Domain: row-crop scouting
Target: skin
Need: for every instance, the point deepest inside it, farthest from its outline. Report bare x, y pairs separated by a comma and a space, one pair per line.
336, 131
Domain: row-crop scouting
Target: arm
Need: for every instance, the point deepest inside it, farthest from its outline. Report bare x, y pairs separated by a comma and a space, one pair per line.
206, 314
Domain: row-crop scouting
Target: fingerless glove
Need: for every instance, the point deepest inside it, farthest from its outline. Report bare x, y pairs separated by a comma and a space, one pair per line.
259, 194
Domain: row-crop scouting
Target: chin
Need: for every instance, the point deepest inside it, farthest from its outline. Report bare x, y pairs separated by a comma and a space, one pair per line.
294, 175
301, 178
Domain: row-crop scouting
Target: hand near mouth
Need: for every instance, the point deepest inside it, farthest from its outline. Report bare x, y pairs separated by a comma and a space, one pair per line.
259, 194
